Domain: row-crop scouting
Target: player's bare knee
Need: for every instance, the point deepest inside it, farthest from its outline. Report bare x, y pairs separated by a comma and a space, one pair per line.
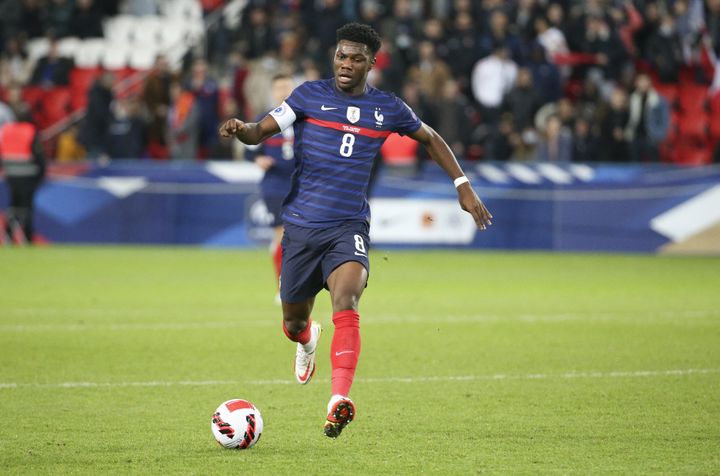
295, 326
346, 302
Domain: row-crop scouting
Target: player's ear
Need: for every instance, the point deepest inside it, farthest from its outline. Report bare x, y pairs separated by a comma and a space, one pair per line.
372, 62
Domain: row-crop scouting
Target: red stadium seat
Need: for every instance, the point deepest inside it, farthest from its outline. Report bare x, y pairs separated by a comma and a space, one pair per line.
693, 98
693, 155
693, 126
81, 79
55, 106
33, 95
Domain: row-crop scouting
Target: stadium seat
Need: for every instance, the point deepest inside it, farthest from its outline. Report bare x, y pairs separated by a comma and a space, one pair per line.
89, 52
146, 31
692, 98
33, 95
37, 48
81, 79
693, 126
118, 29
115, 56
68, 46
172, 34
693, 155
55, 106
142, 58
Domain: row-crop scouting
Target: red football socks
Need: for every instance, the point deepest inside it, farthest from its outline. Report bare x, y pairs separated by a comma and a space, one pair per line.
344, 351
303, 337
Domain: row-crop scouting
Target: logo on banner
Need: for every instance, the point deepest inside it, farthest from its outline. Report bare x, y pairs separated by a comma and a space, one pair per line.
353, 114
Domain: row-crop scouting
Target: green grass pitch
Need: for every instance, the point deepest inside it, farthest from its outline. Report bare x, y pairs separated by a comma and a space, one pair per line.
112, 360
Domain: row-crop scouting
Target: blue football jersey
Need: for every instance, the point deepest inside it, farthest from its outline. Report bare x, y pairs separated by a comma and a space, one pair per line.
336, 139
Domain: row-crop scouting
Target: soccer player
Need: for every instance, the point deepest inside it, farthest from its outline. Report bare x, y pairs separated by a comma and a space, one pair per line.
340, 123
275, 156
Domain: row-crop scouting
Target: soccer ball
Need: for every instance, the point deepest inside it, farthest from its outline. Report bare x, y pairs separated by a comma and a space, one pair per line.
237, 424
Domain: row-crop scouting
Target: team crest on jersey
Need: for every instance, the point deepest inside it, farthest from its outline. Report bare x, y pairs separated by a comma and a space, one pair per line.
379, 117
353, 114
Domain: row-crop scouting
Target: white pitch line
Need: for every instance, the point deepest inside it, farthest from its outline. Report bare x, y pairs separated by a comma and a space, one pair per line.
440, 378
370, 320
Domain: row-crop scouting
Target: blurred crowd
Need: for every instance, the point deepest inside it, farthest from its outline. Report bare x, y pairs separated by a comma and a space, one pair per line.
551, 80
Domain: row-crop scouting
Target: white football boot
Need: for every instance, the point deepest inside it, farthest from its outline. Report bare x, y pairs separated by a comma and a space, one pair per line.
305, 355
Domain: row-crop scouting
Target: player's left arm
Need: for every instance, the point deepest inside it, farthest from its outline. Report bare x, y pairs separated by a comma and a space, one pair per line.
441, 153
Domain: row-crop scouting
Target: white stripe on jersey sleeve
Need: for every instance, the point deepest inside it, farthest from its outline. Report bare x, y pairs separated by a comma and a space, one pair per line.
284, 116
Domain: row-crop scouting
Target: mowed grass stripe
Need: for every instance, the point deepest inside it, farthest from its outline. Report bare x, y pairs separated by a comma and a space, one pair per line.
443, 378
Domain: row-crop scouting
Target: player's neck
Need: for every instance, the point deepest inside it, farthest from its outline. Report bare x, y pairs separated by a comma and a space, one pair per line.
359, 90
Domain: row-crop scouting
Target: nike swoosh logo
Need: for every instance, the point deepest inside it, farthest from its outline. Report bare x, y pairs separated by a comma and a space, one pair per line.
360, 254
325, 108
344, 352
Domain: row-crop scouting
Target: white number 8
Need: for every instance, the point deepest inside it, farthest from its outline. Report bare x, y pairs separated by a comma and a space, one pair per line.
346, 147
360, 244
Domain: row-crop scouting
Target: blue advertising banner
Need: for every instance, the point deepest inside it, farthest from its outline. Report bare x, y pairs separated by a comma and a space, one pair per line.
540, 206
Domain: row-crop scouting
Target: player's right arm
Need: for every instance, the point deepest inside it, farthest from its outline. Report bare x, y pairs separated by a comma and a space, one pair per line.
250, 133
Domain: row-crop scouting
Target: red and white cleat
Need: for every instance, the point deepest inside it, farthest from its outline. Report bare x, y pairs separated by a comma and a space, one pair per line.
341, 411
305, 356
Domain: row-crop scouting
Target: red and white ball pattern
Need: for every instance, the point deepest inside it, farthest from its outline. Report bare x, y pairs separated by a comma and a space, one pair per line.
237, 424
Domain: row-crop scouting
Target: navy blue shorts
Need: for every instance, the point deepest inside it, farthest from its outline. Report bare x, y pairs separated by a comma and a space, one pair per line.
309, 255
273, 203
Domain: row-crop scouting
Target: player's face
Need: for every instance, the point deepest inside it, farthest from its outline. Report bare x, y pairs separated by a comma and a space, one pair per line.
352, 63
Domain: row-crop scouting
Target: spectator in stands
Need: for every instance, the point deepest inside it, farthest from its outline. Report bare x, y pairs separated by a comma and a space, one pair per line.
15, 68
15, 101
462, 47
256, 34
499, 34
206, 92
585, 144
664, 50
23, 162
502, 141
556, 142
550, 38
52, 69
402, 27
545, 75
492, 78
609, 51
612, 129
649, 121
127, 135
430, 72
87, 20
156, 101
60, 18
452, 118
522, 17
69, 148
184, 121
523, 100
94, 127
32, 18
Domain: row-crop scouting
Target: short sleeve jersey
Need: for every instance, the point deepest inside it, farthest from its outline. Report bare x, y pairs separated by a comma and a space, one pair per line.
336, 139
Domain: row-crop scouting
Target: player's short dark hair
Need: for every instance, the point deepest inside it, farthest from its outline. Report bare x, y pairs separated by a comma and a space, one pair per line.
359, 33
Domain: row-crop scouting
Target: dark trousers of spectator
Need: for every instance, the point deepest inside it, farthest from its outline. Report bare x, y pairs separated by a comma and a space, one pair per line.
643, 150
20, 213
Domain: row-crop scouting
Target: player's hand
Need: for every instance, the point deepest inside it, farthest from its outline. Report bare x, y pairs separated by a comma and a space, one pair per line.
264, 161
231, 127
471, 203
